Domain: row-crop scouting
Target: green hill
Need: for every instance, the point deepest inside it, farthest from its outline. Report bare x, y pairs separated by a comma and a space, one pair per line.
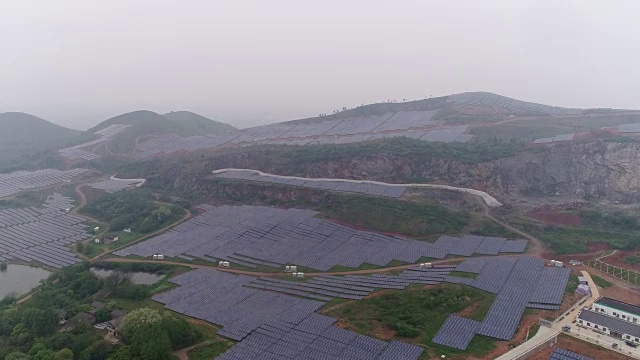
198, 122
144, 122
22, 135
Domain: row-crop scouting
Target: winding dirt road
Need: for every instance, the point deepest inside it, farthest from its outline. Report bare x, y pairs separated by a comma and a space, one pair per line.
488, 199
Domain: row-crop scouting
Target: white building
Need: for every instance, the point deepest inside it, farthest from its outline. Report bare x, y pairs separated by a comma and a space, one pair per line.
617, 309
613, 317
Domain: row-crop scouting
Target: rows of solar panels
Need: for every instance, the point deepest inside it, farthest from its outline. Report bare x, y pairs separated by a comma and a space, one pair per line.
554, 139
41, 234
243, 304
334, 185
269, 324
411, 124
15, 182
562, 354
353, 287
518, 282
83, 152
629, 128
255, 236
493, 100
115, 185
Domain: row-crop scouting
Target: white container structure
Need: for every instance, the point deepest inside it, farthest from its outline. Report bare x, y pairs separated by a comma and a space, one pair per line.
224, 264
158, 257
425, 265
557, 263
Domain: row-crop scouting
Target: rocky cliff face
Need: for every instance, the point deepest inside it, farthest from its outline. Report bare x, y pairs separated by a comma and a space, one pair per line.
597, 169
603, 170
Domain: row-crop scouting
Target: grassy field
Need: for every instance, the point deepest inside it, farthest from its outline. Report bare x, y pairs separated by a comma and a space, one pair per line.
209, 351
631, 259
570, 240
601, 282
572, 284
415, 315
420, 219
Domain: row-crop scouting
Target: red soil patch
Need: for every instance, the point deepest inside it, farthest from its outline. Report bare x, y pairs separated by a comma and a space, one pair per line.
598, 246
617, 259
624, 294
557, 218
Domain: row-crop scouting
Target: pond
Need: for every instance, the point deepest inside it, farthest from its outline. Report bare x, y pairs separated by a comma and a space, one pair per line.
136, 277
20, 279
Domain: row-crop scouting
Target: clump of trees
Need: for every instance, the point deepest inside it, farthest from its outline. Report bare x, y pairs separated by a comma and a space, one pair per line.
30, 331
133, 209
151, 334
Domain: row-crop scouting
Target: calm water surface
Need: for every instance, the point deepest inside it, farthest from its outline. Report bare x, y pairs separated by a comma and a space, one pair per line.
20, 279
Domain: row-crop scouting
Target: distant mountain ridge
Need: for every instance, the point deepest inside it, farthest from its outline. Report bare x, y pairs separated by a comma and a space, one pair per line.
145, 123
24, 134
197, 121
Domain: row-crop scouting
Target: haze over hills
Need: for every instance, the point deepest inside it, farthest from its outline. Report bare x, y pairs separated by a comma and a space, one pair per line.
25, 134
473, 116
195, 121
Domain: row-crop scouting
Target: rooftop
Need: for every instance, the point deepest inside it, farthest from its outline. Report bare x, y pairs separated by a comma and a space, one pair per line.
610, 323
622, 306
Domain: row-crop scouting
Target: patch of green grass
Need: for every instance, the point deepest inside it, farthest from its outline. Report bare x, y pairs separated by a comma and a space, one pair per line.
572, 284
533, 330
601, 282
566, 240
463, 274
208, 352
425, 220
491, 228
365, 266
632, 259
417, 314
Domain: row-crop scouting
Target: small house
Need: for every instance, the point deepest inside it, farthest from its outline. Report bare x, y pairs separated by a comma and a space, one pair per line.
127, 230
583, 280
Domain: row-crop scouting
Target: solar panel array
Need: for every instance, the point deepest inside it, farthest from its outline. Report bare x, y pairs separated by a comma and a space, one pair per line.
316, 338
562, 354
352, 287
15, 182
323, 184
629, 128
115, 185
518, 282
271, 325
493, 100
79, 152
41, 234
411, 124
557, 138
257, 235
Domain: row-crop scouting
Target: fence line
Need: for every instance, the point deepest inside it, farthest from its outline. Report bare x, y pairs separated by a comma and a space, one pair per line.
629, 276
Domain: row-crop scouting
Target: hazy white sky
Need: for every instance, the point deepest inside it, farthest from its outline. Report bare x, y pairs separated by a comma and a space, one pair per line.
78, 62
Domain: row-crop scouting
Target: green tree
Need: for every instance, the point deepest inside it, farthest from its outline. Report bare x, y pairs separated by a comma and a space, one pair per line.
152, 343
17, 356
181, 333
40, 322
123, 353
139, 320
64, 354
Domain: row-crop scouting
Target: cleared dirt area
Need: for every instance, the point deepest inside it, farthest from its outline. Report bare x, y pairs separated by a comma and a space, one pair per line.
624, 294
629, 260
578, 347
557, 218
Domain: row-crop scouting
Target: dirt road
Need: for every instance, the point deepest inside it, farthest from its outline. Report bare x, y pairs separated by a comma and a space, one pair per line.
258, 273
